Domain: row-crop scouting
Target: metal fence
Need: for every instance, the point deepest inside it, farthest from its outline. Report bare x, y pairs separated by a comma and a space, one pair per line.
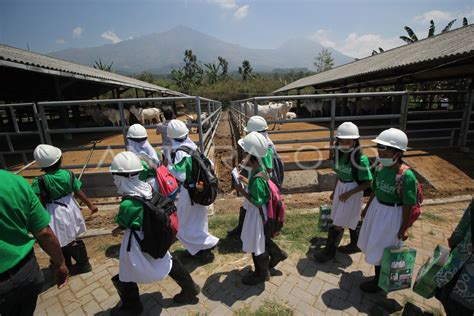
447, 127
47, 131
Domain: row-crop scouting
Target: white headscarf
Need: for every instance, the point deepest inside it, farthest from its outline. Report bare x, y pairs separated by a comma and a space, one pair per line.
180, 154
143, 149
132, 186
269, 141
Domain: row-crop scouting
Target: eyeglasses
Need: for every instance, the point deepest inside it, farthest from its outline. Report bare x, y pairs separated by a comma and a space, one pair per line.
382, 147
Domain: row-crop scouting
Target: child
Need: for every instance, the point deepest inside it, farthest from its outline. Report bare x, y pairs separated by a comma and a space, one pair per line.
161, 129
138, 144
192, 217
389, 208
353, 177
55, 189
257, 192
134, 265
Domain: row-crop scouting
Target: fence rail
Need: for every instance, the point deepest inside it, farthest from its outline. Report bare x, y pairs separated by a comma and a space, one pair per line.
459, 122
44, 130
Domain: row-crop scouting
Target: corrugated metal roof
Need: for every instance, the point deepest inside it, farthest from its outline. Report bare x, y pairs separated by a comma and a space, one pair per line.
19, 58
458, 42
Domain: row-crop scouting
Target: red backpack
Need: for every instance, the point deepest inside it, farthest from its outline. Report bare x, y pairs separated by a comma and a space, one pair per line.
416, 210
167, 182
275, 208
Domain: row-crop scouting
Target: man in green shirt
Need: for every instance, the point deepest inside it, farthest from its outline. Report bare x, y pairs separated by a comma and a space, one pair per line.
21, 213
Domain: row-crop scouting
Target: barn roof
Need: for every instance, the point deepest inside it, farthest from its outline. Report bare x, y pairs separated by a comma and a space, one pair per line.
439, 57
15, 59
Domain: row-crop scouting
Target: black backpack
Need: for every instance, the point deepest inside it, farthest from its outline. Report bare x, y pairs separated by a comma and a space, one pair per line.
278, 171
45, 195
203, 185
156, 225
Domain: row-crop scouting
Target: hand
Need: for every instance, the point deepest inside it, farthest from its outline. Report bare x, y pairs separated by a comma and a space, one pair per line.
61, 273
243, 179
402, 234
117, 231
345, 196
93, 209
331, 197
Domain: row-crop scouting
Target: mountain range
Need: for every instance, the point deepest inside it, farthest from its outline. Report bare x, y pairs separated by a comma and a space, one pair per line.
161, 52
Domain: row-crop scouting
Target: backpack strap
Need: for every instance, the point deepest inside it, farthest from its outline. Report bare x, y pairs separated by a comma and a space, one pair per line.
44, 191
72, 177
400, 176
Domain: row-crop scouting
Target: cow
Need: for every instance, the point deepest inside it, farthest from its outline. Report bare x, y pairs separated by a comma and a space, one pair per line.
146, 116
113, 115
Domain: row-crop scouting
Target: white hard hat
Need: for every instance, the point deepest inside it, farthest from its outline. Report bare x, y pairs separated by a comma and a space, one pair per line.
46, 155
256, 124
177, 129
347, 130
137, 131
254, 144
126, 162
393, 137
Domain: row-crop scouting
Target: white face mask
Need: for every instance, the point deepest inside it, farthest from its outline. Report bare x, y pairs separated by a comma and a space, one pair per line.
345, 149
386, 162
244, 167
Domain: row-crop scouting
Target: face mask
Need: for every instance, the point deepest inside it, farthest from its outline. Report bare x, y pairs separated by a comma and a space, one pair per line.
386, 162
117, 181
345, 149
245, 167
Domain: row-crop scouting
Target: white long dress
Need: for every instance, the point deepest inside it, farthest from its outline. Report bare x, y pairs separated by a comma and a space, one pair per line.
139, 267
253, 235
346, 214
379, 230
193, 230
67, 221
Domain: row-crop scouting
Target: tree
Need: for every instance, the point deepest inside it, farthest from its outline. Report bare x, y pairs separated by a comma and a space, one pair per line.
212, 72
101, 66
374, 52
190, 75
324, 60
224, 64
431, 31
246, 70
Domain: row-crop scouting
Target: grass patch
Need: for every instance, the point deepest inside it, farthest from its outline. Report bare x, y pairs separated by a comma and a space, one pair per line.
431, 217
268, 308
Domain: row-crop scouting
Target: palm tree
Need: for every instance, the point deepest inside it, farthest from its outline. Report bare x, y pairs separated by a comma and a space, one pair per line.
431, 31
246, 70
101, 66
212, 72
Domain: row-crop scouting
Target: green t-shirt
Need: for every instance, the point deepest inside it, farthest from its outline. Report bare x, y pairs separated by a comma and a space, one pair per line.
385, 190
130, 214
20, 213
268, 159
185, 165
343, 168
147, 172
58, 183
258, 189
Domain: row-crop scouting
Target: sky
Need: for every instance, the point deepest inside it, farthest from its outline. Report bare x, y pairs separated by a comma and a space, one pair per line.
353, 27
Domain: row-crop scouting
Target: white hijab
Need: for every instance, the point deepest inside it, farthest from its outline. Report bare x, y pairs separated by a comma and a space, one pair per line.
132, 186
143, 149
269, 141
180, 154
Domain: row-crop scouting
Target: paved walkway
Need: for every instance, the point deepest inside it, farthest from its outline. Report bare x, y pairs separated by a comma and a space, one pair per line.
306, 287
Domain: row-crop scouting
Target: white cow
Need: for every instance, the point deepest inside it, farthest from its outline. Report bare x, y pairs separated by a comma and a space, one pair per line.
313, 107
190, 119
96, 115
146, 116
270, 112
291, 115
113, 115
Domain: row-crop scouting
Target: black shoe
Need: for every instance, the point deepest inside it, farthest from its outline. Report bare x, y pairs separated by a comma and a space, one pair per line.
79, 252
349, 249
189, 289
334, 238
187, 296
370, 286
324, 256
261, 273
130, 303
274, 260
